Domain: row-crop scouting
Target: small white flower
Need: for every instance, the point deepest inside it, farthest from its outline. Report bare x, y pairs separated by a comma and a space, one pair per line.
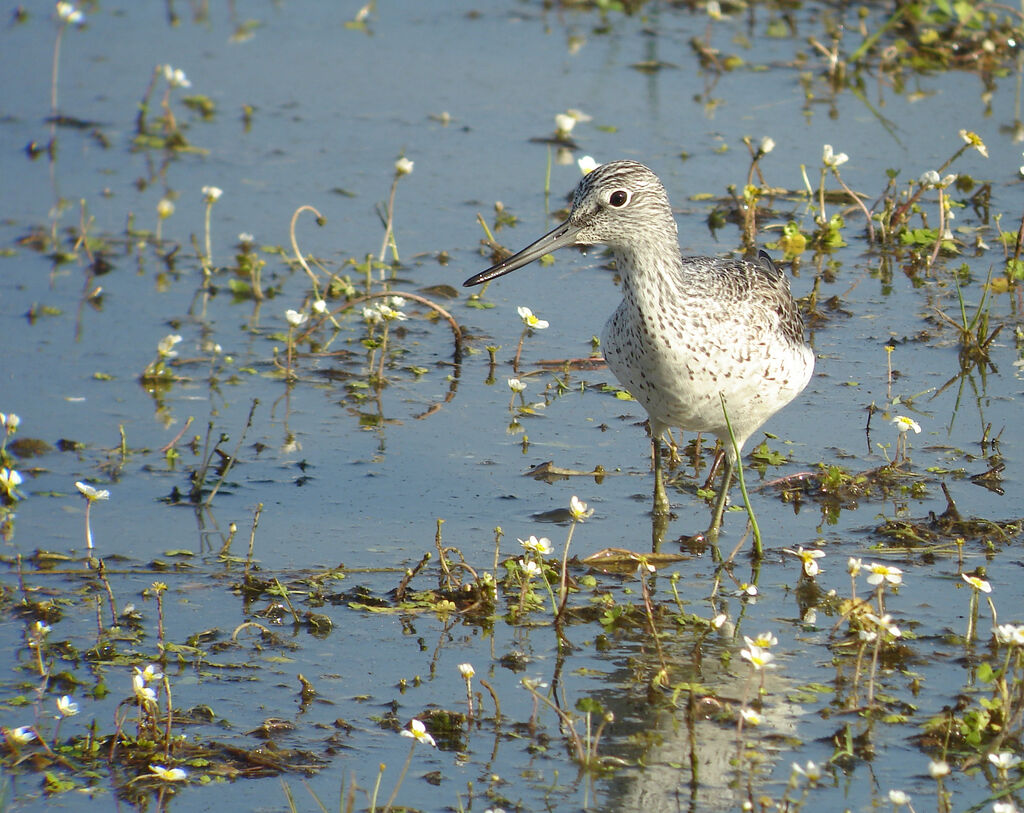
808, 558
884, 623
1004, 807
9, 480
151, 674
976, 583
403, 166
587, 164
165, 208
168, 774
899, 798
92, 494
10, 422
974, 140
929, 178
529, 319
564, 124
319, 306
767, 145
371, 316
812, 771
879, 573
176, 77
530, 568
165, 347
1004, 760
765, 640
719, 620
751, 717
212, 193
21, 735
69, 14
1010, 634
295, 318
542, 546
516, 385
903, 424
418, 732
749, 590
466, 670
833, 159
66, 707
938, 768
41, 629
142, 692
396, 301
759, 658
245, 237
579, 509
853, 566
389, 314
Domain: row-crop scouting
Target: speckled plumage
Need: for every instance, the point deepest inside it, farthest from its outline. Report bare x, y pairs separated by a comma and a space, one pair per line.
688, 330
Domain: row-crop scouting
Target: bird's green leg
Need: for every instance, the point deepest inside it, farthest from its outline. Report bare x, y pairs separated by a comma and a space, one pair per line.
723, 496
661, 506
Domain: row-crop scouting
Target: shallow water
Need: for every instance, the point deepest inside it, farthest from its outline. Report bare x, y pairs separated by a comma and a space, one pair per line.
334, 108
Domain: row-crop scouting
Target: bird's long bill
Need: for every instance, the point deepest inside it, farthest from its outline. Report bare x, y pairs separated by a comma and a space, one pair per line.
558, 237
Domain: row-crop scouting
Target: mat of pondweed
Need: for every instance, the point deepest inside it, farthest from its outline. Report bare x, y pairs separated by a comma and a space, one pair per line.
111, 245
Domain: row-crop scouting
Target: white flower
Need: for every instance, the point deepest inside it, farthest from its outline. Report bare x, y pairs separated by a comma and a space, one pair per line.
245, 237
751, 717
719, 620
319, 306
168, 774
808, 557
92, 494
66, 707
69, 14
898, 797
879, 573
974, 140
530, 568
10, 422
21, 735
418, 732
759, 658
1004, 807
853, 566
142, 692
765, 640
466, 670
295, 318
41, 629
176, 77
976, 583
1010, 634
212, 193
884, 623
831, 159
1004, 760
151, 674
938, 768
745, 589
371, 316
587, 164
812, 771
564, 124
165, 208
767, 145
390, 314
516, 385
579, 509
542, 546
10, 479
403, 166
165, 347
529, 319
929, 178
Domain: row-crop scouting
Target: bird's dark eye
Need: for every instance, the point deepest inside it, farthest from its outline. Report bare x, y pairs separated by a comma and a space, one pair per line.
619, 198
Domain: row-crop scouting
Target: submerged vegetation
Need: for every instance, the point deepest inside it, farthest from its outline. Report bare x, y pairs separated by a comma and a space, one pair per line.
557, 677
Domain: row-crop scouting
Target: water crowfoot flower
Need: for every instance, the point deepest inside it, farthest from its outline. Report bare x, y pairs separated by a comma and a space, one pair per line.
833, 159
751, 717
1009, 634
176, 77
92, 494
530, 320
530, 568
977, 583
938, 768
516, 385
211, 194
295, 318
808, 558
903, 424
22, 735
418, 732
972, 139
878, 573
1004, 761
69, 15
899, 798
165, 347
541, 547
578, 509
587, 164
66, 707
812, 771
10, 479
759, 658
403, 166
168, 774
